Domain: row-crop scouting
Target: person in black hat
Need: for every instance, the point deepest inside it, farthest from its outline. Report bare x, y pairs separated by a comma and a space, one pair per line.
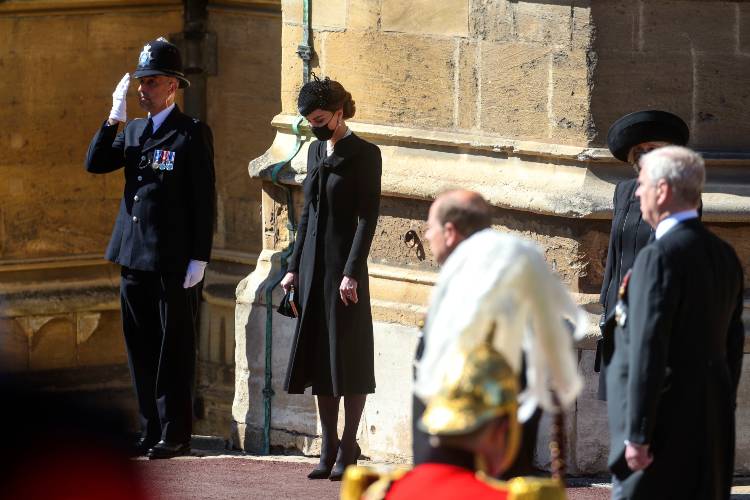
162, 239
333, 350
630, 137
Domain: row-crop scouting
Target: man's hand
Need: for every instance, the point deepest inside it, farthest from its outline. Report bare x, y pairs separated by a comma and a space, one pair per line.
637, 456
348, 290
290, 280
194, 273
119, 101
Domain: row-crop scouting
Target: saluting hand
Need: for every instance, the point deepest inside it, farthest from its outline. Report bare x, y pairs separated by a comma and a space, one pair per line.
348, 290
119, 101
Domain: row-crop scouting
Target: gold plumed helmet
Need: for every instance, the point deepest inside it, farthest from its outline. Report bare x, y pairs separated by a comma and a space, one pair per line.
481, 387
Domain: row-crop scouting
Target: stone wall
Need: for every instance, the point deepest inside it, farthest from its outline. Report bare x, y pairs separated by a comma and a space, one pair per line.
513, 99
59, 303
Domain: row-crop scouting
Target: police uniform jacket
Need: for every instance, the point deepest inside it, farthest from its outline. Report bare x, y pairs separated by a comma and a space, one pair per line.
167, 210
673, 379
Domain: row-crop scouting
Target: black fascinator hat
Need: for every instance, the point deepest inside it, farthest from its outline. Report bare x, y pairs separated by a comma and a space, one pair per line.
314, 95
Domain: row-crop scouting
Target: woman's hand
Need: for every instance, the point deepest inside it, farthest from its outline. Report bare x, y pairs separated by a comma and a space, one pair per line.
348, 290
290, 280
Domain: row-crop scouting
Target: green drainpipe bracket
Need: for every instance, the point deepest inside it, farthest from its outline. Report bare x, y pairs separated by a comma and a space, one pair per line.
268, 391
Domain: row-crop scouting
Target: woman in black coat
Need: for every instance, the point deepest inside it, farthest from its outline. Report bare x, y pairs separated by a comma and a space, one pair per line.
333, 350
629, 138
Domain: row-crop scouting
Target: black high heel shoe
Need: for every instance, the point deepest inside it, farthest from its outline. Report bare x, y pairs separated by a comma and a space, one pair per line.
324, 467
344, 460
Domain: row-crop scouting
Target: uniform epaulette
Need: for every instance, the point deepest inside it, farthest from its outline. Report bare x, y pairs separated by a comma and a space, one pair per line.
368, 483
535, 488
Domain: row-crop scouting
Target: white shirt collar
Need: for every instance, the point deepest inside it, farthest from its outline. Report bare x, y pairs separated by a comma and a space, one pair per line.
329, 146
673, 220
159, 117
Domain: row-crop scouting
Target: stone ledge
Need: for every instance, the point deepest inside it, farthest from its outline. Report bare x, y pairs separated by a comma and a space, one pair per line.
548, 179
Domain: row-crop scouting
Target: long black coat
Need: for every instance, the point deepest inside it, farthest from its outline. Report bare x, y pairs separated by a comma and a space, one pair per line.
673, 378
629, 234
166, 216
340, 213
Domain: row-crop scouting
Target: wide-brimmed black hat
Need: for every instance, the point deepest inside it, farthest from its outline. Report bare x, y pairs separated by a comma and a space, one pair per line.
645, 126
313, 95
159, 57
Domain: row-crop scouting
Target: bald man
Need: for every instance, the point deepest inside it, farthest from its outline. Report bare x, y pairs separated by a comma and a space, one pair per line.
474, 292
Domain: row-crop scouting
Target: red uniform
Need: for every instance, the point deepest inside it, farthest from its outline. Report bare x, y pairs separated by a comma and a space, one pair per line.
436, 481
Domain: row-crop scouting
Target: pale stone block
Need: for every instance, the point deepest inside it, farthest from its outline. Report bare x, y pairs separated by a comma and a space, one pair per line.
512, 76
742, 447
87, 324
54, 345
592, 431
400, 79
324, 14
617, 24
570, 97
291, 65
545, 23
14, 346
720, 120
447, 17
468, 85
492, 20
364, 15
624, 82
682, 26
106, 344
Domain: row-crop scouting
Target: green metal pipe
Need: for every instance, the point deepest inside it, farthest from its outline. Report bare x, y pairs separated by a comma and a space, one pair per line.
304, 50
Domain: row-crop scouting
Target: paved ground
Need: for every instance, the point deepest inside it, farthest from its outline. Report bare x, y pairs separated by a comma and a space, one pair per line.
281, 477
250, 478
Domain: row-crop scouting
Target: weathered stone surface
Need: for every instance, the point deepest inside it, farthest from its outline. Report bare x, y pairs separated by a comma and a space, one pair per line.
631, 81
569, 110
364, 15
742, 448
106, 344
492, 20
616, 25
681, 26
512, 75
324, 14
414, 75
719, 102
737, 235
447, 17
291, 65
466, 107
242, 99
543, 23
14, 346
54, 345
592, 431
743, 37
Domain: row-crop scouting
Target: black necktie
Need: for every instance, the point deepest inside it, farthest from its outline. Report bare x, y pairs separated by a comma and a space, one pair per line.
147, 131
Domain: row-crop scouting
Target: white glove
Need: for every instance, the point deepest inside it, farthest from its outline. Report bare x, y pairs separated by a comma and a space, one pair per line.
119, 100
194, 273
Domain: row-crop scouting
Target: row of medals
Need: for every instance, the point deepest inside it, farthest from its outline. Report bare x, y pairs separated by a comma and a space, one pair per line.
160, 165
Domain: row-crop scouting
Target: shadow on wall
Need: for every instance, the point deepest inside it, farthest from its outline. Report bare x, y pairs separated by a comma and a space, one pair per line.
687, 57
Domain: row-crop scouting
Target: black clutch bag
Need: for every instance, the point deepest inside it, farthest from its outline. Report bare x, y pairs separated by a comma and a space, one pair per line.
289, 306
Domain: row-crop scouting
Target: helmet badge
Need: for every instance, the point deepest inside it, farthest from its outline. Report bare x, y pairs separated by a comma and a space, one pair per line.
145, 58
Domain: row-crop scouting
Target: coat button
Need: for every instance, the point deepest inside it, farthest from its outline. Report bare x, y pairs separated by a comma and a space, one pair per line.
135, 198
135, 219
140, 178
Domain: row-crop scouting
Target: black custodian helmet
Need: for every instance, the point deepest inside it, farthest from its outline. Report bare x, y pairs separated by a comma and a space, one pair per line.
159, 57
645, 126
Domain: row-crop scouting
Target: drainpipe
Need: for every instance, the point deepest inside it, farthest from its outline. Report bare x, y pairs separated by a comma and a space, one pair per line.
304, 50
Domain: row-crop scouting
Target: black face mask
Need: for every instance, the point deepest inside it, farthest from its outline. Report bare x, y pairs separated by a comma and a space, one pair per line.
323, 133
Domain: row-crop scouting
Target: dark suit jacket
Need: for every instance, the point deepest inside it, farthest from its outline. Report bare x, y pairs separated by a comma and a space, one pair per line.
166, 216
672, 382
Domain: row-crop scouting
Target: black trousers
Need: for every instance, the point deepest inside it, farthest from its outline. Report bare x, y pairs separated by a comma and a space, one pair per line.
159, 323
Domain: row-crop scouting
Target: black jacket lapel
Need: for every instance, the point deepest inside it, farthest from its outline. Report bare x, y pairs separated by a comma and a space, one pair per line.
164, 132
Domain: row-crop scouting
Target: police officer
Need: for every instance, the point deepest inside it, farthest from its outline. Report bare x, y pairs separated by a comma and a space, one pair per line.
162, 240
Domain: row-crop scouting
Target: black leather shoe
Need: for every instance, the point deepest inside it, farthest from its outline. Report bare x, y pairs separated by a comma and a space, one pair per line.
142, 446
323, 469
344, 460
163, 449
